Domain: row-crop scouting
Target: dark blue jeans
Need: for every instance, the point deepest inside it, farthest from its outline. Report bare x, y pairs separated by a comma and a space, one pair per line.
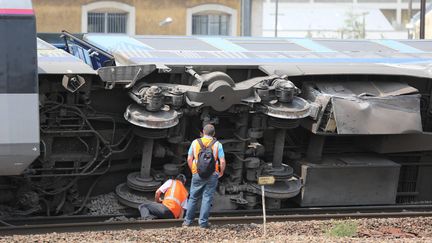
158, 210
204, 188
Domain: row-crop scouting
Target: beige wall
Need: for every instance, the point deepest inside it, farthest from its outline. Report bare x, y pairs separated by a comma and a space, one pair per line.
57, 15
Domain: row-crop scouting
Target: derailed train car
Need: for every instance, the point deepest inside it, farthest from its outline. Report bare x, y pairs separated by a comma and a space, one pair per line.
336, 122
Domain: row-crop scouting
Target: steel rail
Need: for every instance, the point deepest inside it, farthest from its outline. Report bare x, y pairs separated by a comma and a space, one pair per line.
167, 223
130, 213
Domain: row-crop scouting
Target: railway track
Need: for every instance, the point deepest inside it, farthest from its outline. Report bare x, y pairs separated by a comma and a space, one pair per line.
40, 225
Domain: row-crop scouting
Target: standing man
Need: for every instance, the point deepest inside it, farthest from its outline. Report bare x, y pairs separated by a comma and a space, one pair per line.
206, 159
173, 204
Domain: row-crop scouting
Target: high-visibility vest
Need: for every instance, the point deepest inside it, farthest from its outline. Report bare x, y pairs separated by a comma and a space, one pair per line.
206, 142
174, 197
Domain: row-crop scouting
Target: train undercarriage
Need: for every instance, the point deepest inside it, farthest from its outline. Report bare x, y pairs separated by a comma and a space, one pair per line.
344, 125
100, 138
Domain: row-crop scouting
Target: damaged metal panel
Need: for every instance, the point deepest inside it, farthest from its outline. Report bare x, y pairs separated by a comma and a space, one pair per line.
369, 115
124, 74
422, 70
363, 108
365, 89
52, 60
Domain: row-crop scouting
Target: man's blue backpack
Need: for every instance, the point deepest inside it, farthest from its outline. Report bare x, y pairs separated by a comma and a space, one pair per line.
206, 162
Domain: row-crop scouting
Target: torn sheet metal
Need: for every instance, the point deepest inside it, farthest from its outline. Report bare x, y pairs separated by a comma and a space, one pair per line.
365, 88
52, 60
421, 70
364, 108
127, 75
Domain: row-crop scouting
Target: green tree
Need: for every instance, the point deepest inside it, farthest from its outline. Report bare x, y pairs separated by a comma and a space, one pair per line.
354, 26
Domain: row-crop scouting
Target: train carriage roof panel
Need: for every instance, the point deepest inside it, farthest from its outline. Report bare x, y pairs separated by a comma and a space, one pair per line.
422, 45
165, 43
269, 45
304, 55
52, 60
355, 46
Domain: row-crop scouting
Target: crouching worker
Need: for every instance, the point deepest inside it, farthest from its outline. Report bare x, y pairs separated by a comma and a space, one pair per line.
173, 204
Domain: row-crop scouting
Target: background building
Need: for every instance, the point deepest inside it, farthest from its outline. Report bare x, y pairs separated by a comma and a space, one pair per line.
141, 17
415, 24
334, 18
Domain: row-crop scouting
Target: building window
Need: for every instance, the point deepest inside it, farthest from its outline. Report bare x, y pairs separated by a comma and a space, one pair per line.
108, 17
211, 19
210, 24
107, 22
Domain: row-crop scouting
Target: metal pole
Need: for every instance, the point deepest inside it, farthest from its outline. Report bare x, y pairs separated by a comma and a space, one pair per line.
264, 210
146, 159
364, 26
422, 18
276, 18
410, 9
410, 30
278, 149
246, 17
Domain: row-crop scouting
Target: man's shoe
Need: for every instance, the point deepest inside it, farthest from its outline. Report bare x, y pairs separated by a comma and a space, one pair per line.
205, 226
185, 224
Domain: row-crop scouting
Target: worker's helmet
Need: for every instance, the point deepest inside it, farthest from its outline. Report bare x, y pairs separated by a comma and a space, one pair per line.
181, 178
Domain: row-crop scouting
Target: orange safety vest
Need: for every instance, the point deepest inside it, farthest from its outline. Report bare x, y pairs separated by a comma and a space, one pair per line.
174, 197
206, 142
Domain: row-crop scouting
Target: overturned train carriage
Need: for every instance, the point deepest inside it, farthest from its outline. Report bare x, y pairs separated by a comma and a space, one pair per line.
335, 122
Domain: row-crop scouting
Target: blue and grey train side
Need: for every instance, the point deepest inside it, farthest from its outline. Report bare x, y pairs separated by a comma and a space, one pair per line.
335, 122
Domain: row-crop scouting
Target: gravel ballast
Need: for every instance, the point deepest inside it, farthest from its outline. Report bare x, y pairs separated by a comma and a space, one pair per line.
365, 230
106, 204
